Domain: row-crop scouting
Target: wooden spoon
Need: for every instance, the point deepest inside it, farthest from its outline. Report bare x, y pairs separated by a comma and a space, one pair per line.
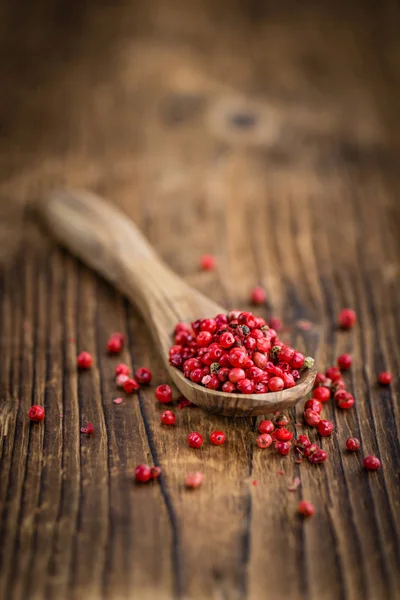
108, 241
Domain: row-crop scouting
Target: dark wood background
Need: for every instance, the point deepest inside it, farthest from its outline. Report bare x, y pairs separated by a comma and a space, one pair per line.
270, 138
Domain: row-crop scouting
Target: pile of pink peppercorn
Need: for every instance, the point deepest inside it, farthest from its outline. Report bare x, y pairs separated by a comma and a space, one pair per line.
236, 353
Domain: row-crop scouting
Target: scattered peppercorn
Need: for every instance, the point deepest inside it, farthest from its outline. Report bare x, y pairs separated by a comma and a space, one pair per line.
36, 413
164, 394
325, 428
385, 378
344, 361
84, 360
372, 463
143, 376
115, 343
195, 439
143, 473
194, 480
168, 417
353, 444
306, 509
266, 426
122, 369
88, 429
264, 440
130, 385
258, 295
347, 318
207, 262
322, 393
217, 438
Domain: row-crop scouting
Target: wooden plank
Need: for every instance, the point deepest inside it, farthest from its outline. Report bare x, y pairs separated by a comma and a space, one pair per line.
268, 136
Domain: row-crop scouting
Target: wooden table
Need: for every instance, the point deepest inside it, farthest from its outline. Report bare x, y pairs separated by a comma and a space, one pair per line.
270, 138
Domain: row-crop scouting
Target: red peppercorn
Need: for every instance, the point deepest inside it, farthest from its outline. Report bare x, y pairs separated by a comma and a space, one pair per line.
194, 480
313, 404
260, 360
115, 343
311, 418
258, 295
320, 379
36, 413
155, 472
236, 374
385, 378
344, 361
325, 428
207, 262
217, 438
182, 327
204, 338
264, 440
310, 449
194, 439
246, 386
322, 393
211, 382
227, 339
142, 473
130, 385
168, 417
372, 463
255, 374
344, 399
237, 357
84, 360
275, 323
283, 435
318, 457
347, 318
266, 426
303, 441
164, 393
286, 354
282, 421
276, 384
333, 373
353, 444
196, 375
306, 509
122, 369
288, 380
297, 360
282, 447
143, 375
228, 387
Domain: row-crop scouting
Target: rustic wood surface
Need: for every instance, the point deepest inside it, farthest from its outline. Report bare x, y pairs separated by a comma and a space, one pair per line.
270, 138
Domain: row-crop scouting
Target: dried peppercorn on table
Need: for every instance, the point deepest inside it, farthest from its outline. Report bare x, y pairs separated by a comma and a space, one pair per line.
267, 138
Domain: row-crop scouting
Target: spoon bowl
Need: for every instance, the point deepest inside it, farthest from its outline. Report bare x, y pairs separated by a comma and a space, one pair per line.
105, 239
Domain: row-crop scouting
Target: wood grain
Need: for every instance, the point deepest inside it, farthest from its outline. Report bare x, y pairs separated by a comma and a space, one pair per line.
268, 136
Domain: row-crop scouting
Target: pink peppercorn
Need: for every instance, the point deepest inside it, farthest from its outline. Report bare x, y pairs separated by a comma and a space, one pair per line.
217, 438
311, 418
333, 373
372, 463
246, 386
344, 399
120, 380
227, 339
318, 457
130, 386
313, 404
168, 417
347, 318
84, 360
297, 360
344, 361
385, 378
164, 393
322, 393
115, 343
276, 384
143, 376
264, 440
228, 387
266, 426
195, 439
282, 447
283, 435
142, 473
122, 369
155, 472
325, 428
207, 262
36, 413
302, 441
194, 480
258, 295
306, 509
353, 444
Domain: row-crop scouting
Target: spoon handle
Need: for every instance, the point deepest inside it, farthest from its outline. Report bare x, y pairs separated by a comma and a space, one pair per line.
104, 238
